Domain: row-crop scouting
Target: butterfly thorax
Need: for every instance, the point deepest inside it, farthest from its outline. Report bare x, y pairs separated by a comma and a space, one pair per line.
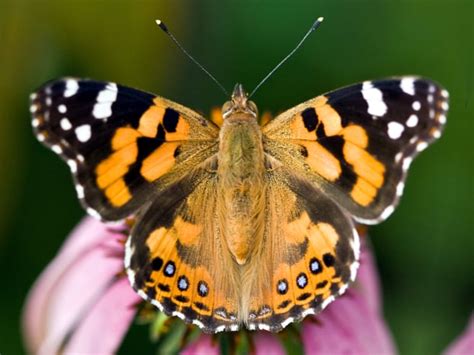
241, 176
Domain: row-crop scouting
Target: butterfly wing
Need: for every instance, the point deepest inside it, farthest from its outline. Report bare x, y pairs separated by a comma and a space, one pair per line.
310, 254
176, 258
356, 143
120, 143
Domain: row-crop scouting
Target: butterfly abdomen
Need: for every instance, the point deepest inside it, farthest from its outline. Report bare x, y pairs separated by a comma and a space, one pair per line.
241, 185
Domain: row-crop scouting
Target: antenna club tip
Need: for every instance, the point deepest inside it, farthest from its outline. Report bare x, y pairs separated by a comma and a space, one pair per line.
161, 25
320, 19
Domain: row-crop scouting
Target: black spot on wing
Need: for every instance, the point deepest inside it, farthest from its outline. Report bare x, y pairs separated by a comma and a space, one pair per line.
170, 120
146, 146
335, 144
163, 287
310, 119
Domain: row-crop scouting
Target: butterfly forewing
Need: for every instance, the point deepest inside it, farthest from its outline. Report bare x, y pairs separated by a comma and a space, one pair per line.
119, 141
357, 143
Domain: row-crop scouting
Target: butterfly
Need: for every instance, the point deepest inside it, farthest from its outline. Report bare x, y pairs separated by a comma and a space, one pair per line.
238, 224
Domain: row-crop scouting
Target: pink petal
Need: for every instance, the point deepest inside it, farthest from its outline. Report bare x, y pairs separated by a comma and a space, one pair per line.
267, 344
464, 344
106, 323
204, 345
70, 286
352, 324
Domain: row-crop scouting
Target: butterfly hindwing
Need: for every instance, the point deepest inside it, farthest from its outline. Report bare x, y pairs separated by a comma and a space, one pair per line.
176, 257
357, 143
310, 254
119, 141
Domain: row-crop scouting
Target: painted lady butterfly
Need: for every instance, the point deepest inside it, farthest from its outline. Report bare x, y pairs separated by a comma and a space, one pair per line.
240, 224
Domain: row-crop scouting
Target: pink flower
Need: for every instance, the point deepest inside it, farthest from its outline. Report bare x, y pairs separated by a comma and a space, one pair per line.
464, 344
83, 303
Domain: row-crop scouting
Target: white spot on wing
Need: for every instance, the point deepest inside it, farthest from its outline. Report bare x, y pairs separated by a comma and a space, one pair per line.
83, 133
416, 105
421, 146
412, 120
400, 187
327, 301
374, 99
35, 122
72, 165
62, 108
105, 99
287, 321
398, 157
406, 163
264, 327
71, 87
128, 253
80, 191
442, 119
92, 212
437, 134
33, 108
65, 124
445, 93
220, 328
57, 149
198, 323
395, 130
156, 304
41, 137
178, 314
445, 105
408, 86
387, 212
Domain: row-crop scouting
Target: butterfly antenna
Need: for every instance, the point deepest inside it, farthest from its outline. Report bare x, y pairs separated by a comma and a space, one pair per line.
173, 38
312, 29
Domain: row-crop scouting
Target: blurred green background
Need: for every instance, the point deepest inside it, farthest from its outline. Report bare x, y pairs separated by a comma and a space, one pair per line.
424, 251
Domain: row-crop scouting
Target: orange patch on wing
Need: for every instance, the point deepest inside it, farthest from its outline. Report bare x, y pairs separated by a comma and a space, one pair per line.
296, 230
187, 233
159, 162
356, 135
118, 193
116, 165
123, 137
363, 192
182, 131
369, 170
150, 120
328, 116
299, 131
322, 161
330, 234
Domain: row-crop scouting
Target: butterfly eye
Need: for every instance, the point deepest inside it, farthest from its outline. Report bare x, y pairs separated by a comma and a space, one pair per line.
227, 109
252, 107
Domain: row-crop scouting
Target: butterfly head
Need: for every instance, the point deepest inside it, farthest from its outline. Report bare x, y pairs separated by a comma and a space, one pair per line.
240, 104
